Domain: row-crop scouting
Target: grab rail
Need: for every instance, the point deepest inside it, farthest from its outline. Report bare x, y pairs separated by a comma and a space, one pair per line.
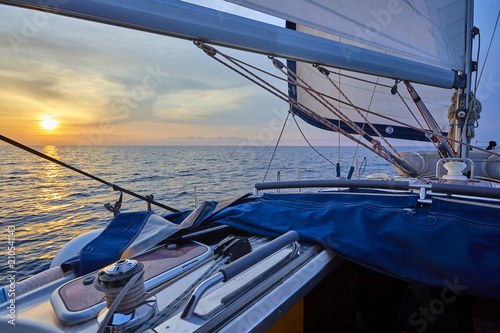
468, 190
473, 191
384, 184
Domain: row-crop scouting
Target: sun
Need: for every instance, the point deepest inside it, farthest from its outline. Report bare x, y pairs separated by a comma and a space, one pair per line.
49, 124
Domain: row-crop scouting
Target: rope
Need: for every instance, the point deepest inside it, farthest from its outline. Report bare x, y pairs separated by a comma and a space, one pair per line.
180, 300
405, 167
434, 143
473, 116
376, 83
320, 99
211, 51
477, 60
451, 114
37, 280
376, 148
130, 300
276, 147
326, 73
338, 99
363, 127
120, 296
421, 129
422, 108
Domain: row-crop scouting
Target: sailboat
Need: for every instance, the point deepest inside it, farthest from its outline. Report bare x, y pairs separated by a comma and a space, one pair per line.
416, 254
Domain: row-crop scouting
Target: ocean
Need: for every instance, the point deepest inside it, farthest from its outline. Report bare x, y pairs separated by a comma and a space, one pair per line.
49, 205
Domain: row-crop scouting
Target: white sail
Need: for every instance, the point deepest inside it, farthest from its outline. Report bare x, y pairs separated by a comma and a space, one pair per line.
427, 31
375, 98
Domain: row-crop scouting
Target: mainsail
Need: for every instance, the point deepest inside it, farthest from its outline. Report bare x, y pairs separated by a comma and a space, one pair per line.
427, 31
423, 31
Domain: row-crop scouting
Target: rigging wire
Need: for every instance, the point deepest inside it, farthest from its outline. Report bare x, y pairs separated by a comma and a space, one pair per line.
212, 52
428, 134
369, 105
489, 47
310, 145
113, 186
376, 148
329, 106
421, 129
326, 73
376, 83
276, 147
429, 137
339, 122
423, 109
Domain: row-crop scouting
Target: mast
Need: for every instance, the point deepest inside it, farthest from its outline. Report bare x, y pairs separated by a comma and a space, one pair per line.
188, 21
463, 93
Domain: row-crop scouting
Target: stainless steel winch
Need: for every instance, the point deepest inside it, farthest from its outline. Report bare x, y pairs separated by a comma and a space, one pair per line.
124, 280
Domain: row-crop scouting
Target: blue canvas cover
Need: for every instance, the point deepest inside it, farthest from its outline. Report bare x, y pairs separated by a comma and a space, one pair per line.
130, 234
454, 243
110, 244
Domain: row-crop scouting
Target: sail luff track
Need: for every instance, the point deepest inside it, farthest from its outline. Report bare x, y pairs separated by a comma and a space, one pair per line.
184, 20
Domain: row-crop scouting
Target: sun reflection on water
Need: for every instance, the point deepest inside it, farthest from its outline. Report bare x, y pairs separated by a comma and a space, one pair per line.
50, 184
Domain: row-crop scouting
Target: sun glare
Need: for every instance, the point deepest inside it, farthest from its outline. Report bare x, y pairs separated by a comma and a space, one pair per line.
49, 124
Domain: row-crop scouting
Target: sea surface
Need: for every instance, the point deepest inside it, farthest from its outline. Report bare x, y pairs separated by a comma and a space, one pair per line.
49, 205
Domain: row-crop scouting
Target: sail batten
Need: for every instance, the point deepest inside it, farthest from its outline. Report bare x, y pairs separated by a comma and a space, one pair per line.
184, 20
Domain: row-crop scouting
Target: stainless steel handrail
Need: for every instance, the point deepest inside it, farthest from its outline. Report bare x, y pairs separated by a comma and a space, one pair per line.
237, 267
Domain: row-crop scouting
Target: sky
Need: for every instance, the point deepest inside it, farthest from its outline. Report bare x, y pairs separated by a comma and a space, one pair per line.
71, 82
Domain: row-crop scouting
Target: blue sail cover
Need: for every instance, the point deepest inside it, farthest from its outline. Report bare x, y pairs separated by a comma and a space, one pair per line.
454, 243
388, 131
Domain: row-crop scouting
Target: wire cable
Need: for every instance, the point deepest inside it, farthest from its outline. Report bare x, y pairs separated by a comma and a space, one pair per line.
489, 47
310, 145
276, 147
113, 186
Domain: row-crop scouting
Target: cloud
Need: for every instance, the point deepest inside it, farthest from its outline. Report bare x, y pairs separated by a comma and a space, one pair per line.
80, 71
81, 84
